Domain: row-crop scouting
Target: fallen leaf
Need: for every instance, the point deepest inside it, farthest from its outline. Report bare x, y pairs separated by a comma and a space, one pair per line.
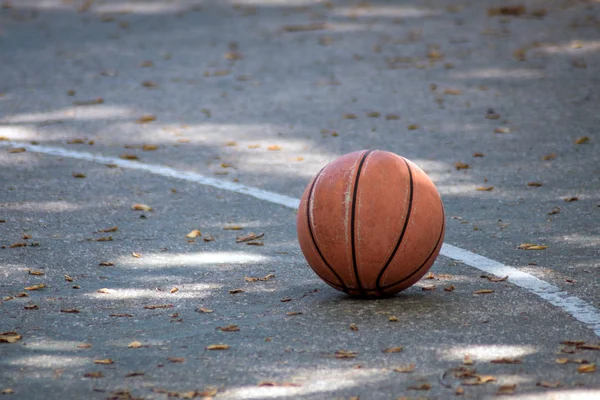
454, 92
459, 391
120, 315
233, 228
479, 380
248, 237
204, 310
570, 199
20, 244
176, 359
134, 373
84, 346
506, 360
229, 328
412, 127
586, 346
104, 361
128, 156
157, 306
429, 288
76, 141
105, 239
393, 319
460, 165
396, 349
22, 294
274, 147
494, 279
506, 389
343, 354
582, 140
392, 117
449, 288
70, 310
571, 361
255, 243
477, 154
78, 175
31, 307
483, 291
405, 369
255, 279
96, 374
549, 157
422, 386
217, 347
193, 234
98, 100
104, 291
174, 290
353, 327
136, 255
135, 345
285, 299
144, 119
106, 263
549, 384
502, 129
10, 337
530, 246
584, 369
111, 229
149, 84
535, 184
17, 150
35, 272
208, 238
507, 10
7, 391
235, 291
291, 313
149, 147
35, 287
141, 207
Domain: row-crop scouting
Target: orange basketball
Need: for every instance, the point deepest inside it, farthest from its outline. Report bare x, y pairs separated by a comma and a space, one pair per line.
371, 223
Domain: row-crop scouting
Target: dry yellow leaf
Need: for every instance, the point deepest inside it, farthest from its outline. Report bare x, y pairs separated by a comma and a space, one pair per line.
129, 156
235, 291
373, 114
506, 360
586, 346
149, 147
204, 310
95, 374
31, 307
111, 229
291, 313
136, 255
531, 246
343, 354
421, 386
141, 207
392, 117
412, 127
459, 391
76, 141
79, 175
479, 380
502, 130
454, 92
174, 290
485, 188
274, 147
483, 291
549, 384
396, 349
506, 389
104, 361
393, 319
70, 310
353, 327
405, 369
461, 165
248, 237
7, 391
135, 345
176, 359
35, 272
104, 291
105, 239
193, 234
144, 119
217, 347
15, 245
35, 287
255, 243
582, 140
10, 337
449, 288
549, 157
570, 199
535, 184
587, 368
17, 150
229, 328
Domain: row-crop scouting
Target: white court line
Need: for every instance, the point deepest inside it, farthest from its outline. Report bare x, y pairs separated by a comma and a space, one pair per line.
577, 308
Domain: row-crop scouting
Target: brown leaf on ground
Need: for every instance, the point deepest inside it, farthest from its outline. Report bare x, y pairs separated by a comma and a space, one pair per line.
204, 310
20, 244
217, 347
208, 238
393, 319
31, 307
506, 390
149, 147
570, 199
10, 337
134, 373
176, 359
479, 380
555, 210
535, 184
105, 239
233, 228
484, 188
135, 345
121, 315
459, 391
35, 287
507, 360
460, 165
291, 313
396, 349
235, 291
454, 92
84, 346
483, 291
229, 328
582, 140
98, 100
412, 127
549, 384
392, 117
420, 386
104, 291
104, 361
285, 299
35, 272
492, 278
141, 207
255, 243
405, 369
144, 119
531, 246
149, 84
354, 327
111, 229
586, 346
129, 156
274, 147
587, 368
95, 374
255, 278
449, 288
136, 255
70, 310
78, 175
106, 263
248, 237
157, 306
193, 234
174, 290
17, 150
507, 10
549, 157
571, 361
429, 288
343, 354
283, 384
7, 391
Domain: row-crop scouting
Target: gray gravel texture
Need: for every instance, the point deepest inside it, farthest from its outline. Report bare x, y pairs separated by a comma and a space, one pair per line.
435, 81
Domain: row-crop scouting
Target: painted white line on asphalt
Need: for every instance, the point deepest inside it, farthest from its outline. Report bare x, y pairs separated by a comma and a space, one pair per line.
577, 308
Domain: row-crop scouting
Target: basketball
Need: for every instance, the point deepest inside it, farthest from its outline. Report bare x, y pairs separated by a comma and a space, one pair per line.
371, 223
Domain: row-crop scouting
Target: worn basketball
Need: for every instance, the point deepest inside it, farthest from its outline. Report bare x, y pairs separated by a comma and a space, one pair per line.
371, 223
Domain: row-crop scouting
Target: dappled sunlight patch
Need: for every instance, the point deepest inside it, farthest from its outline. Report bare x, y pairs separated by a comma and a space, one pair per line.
54, 345
487, 352
574, 47
376, 10
194, 259
47, 361
572, 394
581, 240
44, 206
313, 381
189, 291
500, 73
96, 112
22, 133
147, 7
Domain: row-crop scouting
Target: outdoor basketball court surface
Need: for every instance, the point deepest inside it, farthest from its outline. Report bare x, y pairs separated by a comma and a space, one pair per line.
214, 116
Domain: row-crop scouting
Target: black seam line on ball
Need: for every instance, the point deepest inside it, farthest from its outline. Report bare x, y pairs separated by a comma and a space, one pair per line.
424, 262
312, 236
353, 220
408, 212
